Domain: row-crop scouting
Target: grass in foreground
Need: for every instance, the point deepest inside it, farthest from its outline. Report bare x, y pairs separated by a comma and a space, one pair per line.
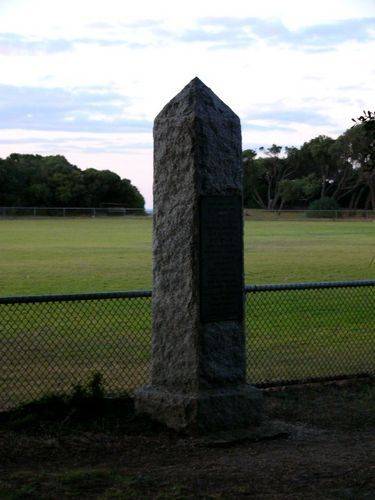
90, 255
291, 335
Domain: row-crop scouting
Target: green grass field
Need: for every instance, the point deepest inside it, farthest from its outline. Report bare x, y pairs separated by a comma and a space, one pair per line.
291, 335
91, 255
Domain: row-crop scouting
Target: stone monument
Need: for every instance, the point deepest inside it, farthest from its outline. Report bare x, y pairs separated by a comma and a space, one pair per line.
198, 380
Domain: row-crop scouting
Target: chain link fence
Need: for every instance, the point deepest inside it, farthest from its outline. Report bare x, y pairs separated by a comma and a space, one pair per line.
73, 212
295, 333
310, 331
307, 214
250, 213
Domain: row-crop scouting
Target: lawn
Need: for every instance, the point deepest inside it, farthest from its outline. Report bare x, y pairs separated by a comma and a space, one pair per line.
291, 335
91, 255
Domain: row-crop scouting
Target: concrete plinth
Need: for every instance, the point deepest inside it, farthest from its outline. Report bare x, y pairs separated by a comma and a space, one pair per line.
207, 411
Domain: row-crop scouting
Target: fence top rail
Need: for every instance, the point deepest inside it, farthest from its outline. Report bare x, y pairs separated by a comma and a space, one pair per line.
273, 210
308, 286
284, 210
70, 208
30, 299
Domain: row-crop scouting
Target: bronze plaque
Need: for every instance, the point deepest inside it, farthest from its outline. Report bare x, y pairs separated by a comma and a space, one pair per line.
221, 259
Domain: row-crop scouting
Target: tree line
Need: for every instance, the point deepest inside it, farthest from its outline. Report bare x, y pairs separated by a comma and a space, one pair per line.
51, 181
324, 173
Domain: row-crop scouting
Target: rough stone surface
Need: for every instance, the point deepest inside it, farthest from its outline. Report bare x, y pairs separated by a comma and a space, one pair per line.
204, 412
198, 368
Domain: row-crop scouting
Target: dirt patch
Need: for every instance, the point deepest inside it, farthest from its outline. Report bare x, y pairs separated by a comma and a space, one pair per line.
327, 451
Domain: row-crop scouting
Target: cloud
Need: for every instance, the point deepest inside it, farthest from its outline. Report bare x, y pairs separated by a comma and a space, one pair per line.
247, 125
111, 26
109, 42
14, 44
81, 110
99, 143
232, 32
217, 32
298, 115
108, 147
360, 30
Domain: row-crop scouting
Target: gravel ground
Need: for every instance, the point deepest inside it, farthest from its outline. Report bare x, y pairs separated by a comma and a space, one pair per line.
324, 447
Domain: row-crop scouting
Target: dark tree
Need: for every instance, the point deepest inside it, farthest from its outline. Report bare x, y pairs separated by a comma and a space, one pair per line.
50, 181
342, 170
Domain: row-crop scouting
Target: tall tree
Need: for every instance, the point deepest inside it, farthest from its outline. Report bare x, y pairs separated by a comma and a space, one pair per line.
254, 186
359, 150
276, 170
321, 160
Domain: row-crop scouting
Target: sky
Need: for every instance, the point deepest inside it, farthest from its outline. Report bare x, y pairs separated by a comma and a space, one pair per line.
86, 78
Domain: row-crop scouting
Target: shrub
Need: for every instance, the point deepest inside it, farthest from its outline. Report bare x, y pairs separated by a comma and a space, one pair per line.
325, 207
84, 403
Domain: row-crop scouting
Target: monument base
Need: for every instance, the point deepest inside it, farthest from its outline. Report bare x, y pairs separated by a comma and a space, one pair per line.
207, 411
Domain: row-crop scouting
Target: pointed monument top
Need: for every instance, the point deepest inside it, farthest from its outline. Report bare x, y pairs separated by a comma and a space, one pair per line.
196, 82
196, 99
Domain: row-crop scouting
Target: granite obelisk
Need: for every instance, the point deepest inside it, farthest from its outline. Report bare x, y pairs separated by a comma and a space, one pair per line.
198, 350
